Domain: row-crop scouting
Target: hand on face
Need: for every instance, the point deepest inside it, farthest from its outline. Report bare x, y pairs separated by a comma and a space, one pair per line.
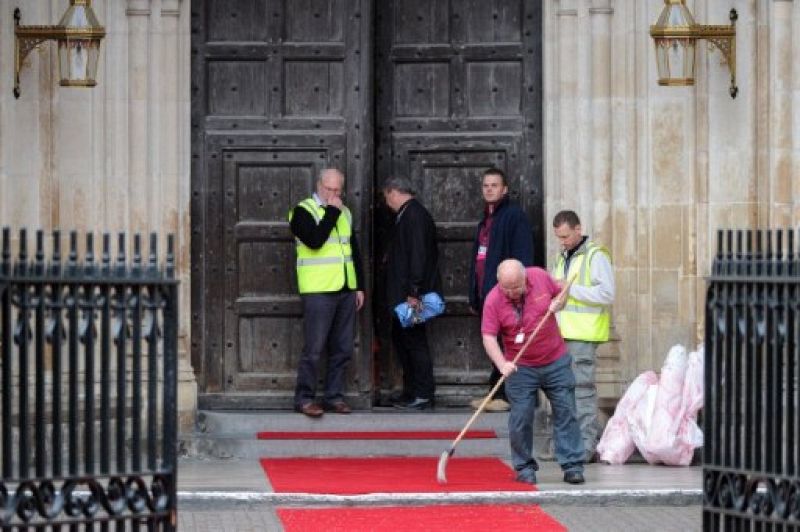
330, 187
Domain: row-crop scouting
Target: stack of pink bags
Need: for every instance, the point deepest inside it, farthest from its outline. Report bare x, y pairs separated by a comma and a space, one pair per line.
659, 417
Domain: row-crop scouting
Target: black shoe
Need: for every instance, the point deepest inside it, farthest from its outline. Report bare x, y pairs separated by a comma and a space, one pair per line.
574, 477
528, 476
417, 404
399, 399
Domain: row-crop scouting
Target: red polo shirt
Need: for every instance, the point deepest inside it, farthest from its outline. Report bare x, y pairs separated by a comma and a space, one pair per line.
501, 318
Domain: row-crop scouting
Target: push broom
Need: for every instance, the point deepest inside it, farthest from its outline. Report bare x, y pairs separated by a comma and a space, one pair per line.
442, 465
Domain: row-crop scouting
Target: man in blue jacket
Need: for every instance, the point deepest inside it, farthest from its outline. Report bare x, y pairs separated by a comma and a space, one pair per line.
503, 233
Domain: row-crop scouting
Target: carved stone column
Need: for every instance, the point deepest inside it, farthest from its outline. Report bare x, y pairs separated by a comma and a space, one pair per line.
139, 163
601, 13
174, 118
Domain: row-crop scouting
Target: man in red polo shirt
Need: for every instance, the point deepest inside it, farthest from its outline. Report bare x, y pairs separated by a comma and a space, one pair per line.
512, 310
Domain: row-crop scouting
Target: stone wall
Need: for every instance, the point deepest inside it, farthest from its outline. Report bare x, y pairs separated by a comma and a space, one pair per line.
655, 171
112, 158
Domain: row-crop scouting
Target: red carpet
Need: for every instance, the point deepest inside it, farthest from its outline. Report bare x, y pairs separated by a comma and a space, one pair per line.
464, 518
376, 435
351, 476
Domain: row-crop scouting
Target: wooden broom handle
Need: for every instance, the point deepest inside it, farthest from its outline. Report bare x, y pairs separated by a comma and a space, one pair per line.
502, 378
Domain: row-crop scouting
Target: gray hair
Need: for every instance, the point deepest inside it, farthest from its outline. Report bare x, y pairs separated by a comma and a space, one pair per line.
400, 184
324, 171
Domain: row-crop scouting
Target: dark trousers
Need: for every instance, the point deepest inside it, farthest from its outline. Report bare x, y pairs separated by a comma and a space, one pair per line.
329, 322
411, 346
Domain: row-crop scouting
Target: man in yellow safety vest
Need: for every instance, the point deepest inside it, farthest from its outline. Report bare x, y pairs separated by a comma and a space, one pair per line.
585, 320
330, 283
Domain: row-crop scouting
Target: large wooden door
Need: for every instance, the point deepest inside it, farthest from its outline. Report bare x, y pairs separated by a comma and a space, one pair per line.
280, 90
283, 88
458, 86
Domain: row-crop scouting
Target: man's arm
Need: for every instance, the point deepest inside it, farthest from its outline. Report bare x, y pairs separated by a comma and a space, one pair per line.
313, 235
416, 229
492, 347
521, 239
602, 277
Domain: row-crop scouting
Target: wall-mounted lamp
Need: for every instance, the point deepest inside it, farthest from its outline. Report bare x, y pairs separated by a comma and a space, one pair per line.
78, 34
676, 34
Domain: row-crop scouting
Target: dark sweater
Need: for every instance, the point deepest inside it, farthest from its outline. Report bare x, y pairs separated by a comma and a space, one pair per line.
510, 238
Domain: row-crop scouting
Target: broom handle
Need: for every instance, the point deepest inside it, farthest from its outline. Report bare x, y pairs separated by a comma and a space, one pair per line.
502, 378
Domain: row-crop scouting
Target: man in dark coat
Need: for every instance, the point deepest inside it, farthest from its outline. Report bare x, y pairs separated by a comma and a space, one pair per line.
412, 270
503, 233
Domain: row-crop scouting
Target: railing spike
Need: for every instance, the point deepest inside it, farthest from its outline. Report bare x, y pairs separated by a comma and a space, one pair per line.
72, 260
55, 260
121, 260
106, 257
137, 254
170, 266
22, 256
89, 266
38, 266
5, 259
152, 265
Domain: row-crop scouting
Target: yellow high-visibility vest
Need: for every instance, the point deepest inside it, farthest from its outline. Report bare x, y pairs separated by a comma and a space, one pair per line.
579, 320
323, 269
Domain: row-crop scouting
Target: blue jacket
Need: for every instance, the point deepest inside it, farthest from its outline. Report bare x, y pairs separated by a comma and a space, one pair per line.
510, 238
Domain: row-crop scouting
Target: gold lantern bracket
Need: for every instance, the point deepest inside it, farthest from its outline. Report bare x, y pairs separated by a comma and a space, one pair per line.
28, 38
723, 38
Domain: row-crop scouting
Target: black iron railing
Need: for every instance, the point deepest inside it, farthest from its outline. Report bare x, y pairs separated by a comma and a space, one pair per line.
752, 382
89, 384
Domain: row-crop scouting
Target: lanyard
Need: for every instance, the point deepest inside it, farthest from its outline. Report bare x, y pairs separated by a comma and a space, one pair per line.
519, 311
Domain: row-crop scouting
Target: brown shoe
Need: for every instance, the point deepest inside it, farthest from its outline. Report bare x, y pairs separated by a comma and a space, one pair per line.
339, 407
311, 410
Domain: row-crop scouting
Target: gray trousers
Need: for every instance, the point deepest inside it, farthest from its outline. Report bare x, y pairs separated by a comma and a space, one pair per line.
583, 365
329, 322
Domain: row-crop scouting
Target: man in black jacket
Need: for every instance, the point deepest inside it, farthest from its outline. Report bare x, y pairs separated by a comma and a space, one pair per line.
412, 271
503, 233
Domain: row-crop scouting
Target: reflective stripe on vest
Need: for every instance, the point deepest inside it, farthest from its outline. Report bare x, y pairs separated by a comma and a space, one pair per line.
325, 269
579, 320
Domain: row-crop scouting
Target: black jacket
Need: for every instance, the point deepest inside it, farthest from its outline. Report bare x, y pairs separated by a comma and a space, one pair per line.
412, 264
510, 238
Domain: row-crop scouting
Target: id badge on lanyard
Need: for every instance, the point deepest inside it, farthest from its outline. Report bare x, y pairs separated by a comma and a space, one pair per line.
519, 311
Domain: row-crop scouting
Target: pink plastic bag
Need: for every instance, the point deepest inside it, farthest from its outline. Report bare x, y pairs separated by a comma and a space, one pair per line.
668, 411
640, 422
616, 445
693, 385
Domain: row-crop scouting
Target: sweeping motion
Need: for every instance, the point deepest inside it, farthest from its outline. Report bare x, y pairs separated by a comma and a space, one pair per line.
441, 467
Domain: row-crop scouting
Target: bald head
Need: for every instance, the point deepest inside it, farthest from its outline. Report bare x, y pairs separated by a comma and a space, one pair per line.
511, 278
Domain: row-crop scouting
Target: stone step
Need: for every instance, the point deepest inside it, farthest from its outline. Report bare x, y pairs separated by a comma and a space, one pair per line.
249, 423
232, 434
224, 448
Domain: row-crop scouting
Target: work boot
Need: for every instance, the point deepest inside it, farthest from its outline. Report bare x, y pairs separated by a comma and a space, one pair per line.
339, 407
417, 404
310, 409
528, 476
574, 477
497, 405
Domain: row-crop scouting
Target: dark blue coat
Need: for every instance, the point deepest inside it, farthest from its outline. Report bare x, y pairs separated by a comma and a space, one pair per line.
510, 238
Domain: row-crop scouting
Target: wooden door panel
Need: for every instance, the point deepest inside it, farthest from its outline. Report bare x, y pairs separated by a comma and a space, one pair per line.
459, 91
489, 22
264, 312
494, 88
276, 97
